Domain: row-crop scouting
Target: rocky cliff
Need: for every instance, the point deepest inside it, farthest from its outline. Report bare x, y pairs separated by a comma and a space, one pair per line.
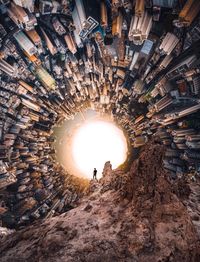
135, 216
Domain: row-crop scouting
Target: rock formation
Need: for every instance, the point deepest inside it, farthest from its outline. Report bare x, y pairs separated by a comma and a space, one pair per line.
136, 216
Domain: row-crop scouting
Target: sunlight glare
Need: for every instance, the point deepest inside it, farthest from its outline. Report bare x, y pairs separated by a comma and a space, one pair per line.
95, 143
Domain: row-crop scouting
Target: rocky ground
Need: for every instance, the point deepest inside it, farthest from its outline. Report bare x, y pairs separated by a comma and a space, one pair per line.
193, 204
136, 216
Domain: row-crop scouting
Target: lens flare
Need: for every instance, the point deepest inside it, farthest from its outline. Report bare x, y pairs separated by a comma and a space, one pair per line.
95, 143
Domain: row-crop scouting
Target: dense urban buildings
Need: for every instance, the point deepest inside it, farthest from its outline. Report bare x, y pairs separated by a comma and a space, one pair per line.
137, 61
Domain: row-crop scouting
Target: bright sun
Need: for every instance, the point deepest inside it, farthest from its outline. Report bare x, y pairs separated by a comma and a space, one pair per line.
96, 143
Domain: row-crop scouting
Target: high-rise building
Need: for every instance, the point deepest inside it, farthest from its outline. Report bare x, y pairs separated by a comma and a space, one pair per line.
25, 43
45, 7
188, 13
140, 27
70, 43
165, 3
117, 25
8, 69
104, 15
86, 17
49, 43
46, 79
181, 67
21, 18
29, 4
168, 43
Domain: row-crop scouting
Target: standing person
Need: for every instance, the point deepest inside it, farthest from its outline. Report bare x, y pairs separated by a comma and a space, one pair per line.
95, 174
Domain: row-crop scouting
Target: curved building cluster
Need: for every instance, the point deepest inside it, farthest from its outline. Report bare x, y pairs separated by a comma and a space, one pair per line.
137, 61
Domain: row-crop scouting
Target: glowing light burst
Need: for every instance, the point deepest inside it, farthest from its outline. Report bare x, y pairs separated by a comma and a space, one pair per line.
95, 143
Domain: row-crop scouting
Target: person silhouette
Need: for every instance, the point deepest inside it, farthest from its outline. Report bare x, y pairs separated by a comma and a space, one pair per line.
95, 174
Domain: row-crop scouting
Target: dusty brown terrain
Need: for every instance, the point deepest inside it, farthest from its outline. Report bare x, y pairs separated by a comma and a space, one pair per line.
137, 216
